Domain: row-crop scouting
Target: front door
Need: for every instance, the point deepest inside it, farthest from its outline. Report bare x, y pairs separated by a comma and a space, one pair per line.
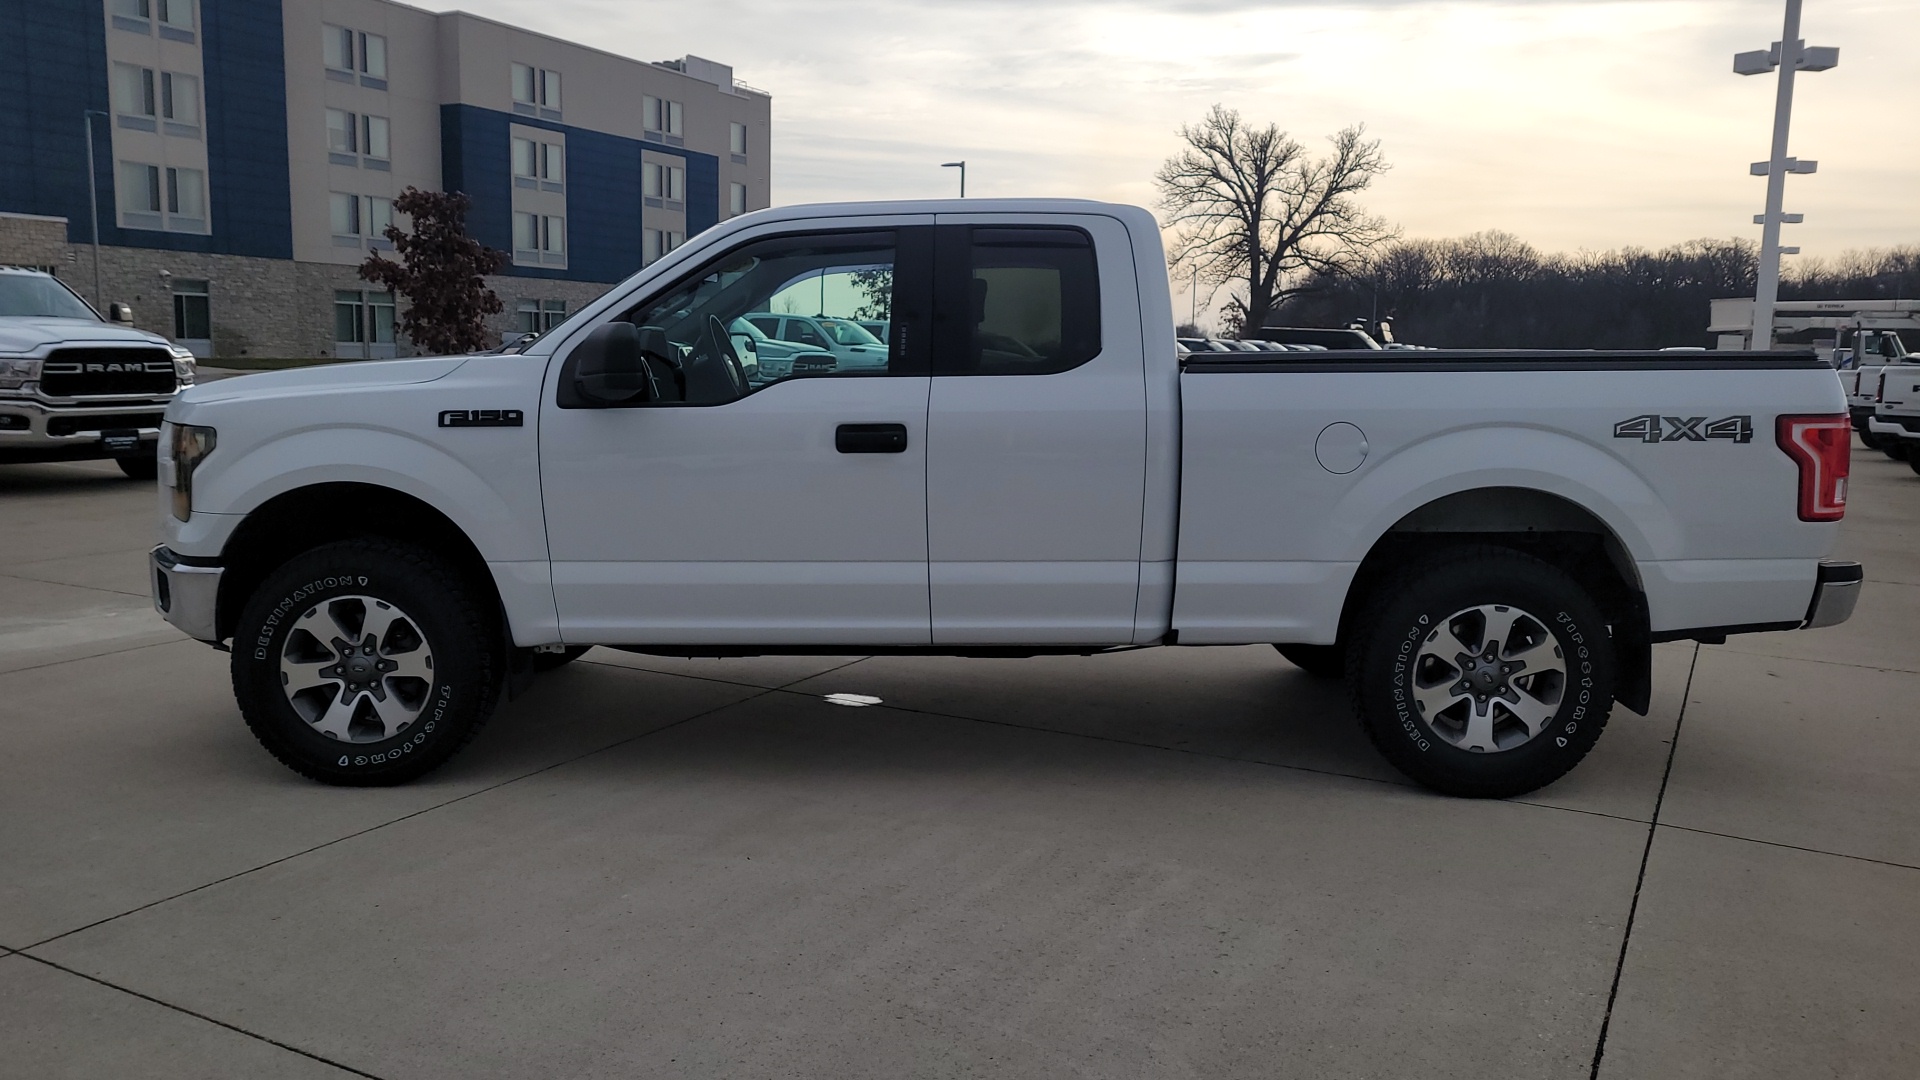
1036, 434
761, 508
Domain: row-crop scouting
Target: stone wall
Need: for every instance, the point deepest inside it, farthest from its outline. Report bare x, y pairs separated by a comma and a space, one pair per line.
32, 240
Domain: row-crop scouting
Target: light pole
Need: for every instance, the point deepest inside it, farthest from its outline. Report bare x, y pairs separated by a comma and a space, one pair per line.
1787, 56
93, 201
962, 166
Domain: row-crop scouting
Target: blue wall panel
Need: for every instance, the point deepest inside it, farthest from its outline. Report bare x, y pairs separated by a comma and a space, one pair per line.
603, 190
57, 68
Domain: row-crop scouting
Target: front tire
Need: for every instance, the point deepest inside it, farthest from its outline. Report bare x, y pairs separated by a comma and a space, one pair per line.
1319, 661
1485, 674
364, 663
139, 466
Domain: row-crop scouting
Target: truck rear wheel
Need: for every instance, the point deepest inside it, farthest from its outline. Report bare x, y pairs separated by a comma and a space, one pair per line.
1486, 674
365, 662
1895, 449
1913, 461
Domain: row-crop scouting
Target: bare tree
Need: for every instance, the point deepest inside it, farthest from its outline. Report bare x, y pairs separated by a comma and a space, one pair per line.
1251, 210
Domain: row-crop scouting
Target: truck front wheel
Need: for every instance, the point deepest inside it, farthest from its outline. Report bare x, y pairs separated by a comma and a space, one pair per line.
1486, 674
364, 662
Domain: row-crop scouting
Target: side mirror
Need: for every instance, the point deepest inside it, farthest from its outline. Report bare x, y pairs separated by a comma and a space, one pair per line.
609, 368
120, 313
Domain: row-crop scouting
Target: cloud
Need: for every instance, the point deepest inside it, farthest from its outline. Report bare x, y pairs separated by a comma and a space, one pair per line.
1573, 123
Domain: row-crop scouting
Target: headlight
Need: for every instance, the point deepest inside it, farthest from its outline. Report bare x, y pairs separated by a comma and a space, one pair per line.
188, 448
183, 365
15, 372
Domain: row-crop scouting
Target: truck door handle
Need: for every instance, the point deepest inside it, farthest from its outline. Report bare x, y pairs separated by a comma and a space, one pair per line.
870, 438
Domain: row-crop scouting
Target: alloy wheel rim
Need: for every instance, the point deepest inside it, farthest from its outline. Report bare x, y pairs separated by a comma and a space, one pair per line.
1489, 678
357, 669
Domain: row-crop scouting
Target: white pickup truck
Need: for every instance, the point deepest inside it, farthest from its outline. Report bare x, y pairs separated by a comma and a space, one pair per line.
1485, 545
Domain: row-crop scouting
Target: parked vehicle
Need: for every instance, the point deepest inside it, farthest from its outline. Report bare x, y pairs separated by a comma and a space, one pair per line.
879, 328
74, 386
772, 359
853, 348
1327, 337
1896, 419
1485, 545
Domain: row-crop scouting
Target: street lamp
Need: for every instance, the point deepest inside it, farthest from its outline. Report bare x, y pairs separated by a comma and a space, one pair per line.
962, 166
93, 200
1788, 55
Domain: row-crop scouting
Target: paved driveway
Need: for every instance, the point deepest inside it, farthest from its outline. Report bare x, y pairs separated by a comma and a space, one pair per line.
1165, 863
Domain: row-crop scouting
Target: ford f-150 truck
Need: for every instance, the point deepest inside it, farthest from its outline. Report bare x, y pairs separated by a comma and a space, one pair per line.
1484, 545
75, 386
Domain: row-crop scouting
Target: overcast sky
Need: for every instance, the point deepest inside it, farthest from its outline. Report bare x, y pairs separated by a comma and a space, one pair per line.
1572, 123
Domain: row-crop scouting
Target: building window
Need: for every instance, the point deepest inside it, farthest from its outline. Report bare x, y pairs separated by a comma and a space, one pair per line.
376, 144
539, 316
191, 321
379, 216
668, 182
657, 242
539, 238
347, 52
344, 215
132, 9
140, 189
187, 193
736, 199
535, 161
180, 100
660, 116
133, 96
176, 13
737, 138
343, 132
536, 91
363, 324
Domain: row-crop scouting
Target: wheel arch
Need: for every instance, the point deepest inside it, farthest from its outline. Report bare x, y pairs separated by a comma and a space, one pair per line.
1545, 525
304, 518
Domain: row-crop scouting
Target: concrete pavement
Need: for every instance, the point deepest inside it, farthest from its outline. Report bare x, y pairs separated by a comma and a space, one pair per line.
1165, 863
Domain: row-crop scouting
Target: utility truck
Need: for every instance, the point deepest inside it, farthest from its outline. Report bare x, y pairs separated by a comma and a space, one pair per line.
1484, 545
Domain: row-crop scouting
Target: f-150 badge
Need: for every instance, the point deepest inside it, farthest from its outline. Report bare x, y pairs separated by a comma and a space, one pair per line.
1655, 428
482, 418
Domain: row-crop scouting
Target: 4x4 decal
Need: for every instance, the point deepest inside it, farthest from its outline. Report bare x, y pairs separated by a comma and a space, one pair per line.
1655, 428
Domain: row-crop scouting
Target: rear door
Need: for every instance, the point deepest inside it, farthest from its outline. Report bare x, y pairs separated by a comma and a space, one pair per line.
1036, 432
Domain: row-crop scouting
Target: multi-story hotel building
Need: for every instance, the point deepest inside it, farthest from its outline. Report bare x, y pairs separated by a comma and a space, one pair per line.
246, 155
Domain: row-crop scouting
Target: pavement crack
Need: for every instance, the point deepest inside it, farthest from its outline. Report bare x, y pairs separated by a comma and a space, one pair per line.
1639, 881
1791, 847
16, 575
270, 1041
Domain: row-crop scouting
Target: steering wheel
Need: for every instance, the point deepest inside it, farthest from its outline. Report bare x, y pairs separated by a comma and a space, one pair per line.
723, 349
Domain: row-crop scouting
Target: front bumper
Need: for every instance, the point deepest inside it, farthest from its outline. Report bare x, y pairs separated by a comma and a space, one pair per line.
1835, 591
186, 595
31, 430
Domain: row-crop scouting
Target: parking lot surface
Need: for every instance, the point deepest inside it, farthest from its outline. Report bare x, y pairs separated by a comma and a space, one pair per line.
1163, 863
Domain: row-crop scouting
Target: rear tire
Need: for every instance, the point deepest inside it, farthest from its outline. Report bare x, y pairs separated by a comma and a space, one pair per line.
1319, 661
1913, 461
1483, 673
139, 466
365, 662
1896, 449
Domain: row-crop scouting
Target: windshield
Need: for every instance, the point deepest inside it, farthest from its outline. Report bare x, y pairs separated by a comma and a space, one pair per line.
41, 297
846, 333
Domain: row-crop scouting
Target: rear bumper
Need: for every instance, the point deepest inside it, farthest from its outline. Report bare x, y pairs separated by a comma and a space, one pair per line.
1835, 591
185, 595
1899, 424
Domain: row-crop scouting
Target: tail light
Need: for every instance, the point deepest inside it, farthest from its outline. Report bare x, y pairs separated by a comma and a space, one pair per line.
1880, 388
1822, 445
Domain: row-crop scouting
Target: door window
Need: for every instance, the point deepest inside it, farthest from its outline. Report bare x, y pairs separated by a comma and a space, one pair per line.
1017, 301
853, 275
